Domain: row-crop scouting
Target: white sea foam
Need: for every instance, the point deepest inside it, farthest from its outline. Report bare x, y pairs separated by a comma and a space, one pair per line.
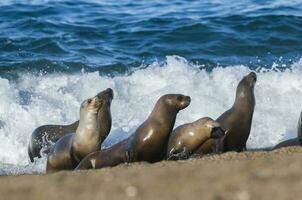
33, 101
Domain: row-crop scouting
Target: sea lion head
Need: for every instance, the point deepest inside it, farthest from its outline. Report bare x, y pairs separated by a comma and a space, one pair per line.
94, 104
213, 128
245, 88
251, 78
176, 101
106, 96
247, 81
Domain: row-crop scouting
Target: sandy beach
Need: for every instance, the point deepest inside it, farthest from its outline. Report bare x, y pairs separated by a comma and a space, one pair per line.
239, 176
240, 55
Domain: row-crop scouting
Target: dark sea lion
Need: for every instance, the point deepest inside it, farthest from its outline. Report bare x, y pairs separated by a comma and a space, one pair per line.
299, 129
288, 143
148, 143
45, 136
185, 139
297, 141
237, 120
69, 150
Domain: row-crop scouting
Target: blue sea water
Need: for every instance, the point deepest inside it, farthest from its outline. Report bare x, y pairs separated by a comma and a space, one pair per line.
56, 53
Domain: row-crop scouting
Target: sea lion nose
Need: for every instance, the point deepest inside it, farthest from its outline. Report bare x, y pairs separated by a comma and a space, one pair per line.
110, 92
188, 98
106, 92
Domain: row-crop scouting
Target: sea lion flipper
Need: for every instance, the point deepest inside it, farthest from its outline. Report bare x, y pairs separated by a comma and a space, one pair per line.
219, 145
85, 164
183, 155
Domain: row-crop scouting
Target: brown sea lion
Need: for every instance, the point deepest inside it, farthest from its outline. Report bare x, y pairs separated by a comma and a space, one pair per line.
185, 139
237, 120
45, 136
148, 143
69, 150
297, 141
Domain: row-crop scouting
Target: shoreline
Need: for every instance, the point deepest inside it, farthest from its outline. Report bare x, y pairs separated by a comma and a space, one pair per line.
240, 176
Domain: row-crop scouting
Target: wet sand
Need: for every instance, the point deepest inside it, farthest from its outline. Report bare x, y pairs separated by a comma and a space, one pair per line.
240, 176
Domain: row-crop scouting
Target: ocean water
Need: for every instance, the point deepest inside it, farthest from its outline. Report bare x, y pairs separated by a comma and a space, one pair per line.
56, 53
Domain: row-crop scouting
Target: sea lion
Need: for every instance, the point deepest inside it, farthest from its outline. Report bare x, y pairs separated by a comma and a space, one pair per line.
297, 141
45, 136
185, 139
148, 143
69, 150
287, 143
299, 129
237, 120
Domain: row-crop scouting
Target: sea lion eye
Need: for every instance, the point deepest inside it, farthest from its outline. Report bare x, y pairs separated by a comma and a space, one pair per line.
179, 97
89, 101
